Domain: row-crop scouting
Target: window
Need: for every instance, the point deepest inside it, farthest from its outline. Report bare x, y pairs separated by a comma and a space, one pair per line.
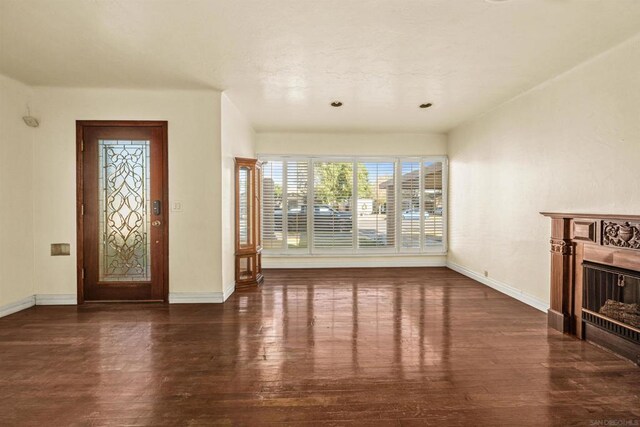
376, 204
433, 203
411, 212
354, 206
272, 236
297, 173
333, 202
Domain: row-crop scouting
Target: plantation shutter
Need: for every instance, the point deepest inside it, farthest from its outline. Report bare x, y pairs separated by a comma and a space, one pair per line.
411, 211
376, 205
333, 205
272, 174
297, 179
316, 205
433, 203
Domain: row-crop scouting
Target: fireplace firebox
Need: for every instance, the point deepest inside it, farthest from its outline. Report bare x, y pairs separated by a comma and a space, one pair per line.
611, 300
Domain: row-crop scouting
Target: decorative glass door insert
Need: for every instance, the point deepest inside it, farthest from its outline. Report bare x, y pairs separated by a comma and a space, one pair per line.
125, 217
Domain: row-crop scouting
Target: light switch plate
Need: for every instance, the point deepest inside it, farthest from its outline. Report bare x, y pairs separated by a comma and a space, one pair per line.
176, 206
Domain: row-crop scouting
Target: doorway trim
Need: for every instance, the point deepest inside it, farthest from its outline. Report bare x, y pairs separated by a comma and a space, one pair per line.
80, 125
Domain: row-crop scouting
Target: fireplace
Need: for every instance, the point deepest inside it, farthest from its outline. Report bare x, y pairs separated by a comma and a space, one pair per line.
611, 300
595, 279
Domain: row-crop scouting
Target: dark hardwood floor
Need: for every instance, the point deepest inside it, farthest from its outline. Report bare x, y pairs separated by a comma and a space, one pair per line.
406, 346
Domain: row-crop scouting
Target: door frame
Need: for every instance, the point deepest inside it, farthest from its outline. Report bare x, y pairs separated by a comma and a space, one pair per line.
80, 125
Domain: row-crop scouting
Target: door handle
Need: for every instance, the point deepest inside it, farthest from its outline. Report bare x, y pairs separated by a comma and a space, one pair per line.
156, 223
157, 207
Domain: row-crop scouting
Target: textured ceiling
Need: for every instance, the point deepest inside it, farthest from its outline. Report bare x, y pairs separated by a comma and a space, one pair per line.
283, 61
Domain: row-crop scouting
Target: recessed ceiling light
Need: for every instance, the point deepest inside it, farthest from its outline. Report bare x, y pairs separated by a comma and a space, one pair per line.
427, 105
336, 104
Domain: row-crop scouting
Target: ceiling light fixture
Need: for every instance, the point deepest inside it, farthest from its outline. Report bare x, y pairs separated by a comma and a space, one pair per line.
336, 104
427, 105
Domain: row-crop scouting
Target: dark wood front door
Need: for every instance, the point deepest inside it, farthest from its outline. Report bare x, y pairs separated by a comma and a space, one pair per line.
122, 211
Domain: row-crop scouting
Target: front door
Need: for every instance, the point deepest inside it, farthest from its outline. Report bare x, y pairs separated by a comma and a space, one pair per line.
122, 211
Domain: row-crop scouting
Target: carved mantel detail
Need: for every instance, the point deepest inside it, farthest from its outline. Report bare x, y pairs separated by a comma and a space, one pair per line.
622, 234
560, 246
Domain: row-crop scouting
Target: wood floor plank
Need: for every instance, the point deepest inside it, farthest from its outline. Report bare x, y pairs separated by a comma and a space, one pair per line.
361, 347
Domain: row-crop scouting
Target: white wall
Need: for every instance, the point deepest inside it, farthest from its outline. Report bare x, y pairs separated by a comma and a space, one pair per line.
352, 144
16, 195
238, 140
194, 180
572, 144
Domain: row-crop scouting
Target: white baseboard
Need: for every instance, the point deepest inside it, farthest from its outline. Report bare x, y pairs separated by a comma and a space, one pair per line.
501, 287
346, 262
195, 297
19, 305
71, 299
219, 297
56, 299
228, 290
202, 297
38, 299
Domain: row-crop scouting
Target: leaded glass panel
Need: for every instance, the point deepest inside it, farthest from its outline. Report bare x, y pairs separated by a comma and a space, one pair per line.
124, 193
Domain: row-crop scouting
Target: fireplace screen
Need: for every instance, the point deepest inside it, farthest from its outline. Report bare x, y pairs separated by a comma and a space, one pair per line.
611, 299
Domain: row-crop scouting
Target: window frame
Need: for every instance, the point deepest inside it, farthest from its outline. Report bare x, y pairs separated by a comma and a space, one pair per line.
355, 250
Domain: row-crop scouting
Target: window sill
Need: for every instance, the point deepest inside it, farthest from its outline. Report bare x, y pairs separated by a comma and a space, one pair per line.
352, 255
432, 259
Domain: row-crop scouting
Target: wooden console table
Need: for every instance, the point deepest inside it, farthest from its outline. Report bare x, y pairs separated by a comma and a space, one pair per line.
612, 240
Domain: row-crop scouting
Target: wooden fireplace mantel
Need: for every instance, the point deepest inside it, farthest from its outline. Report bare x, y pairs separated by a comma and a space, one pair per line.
605, 239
